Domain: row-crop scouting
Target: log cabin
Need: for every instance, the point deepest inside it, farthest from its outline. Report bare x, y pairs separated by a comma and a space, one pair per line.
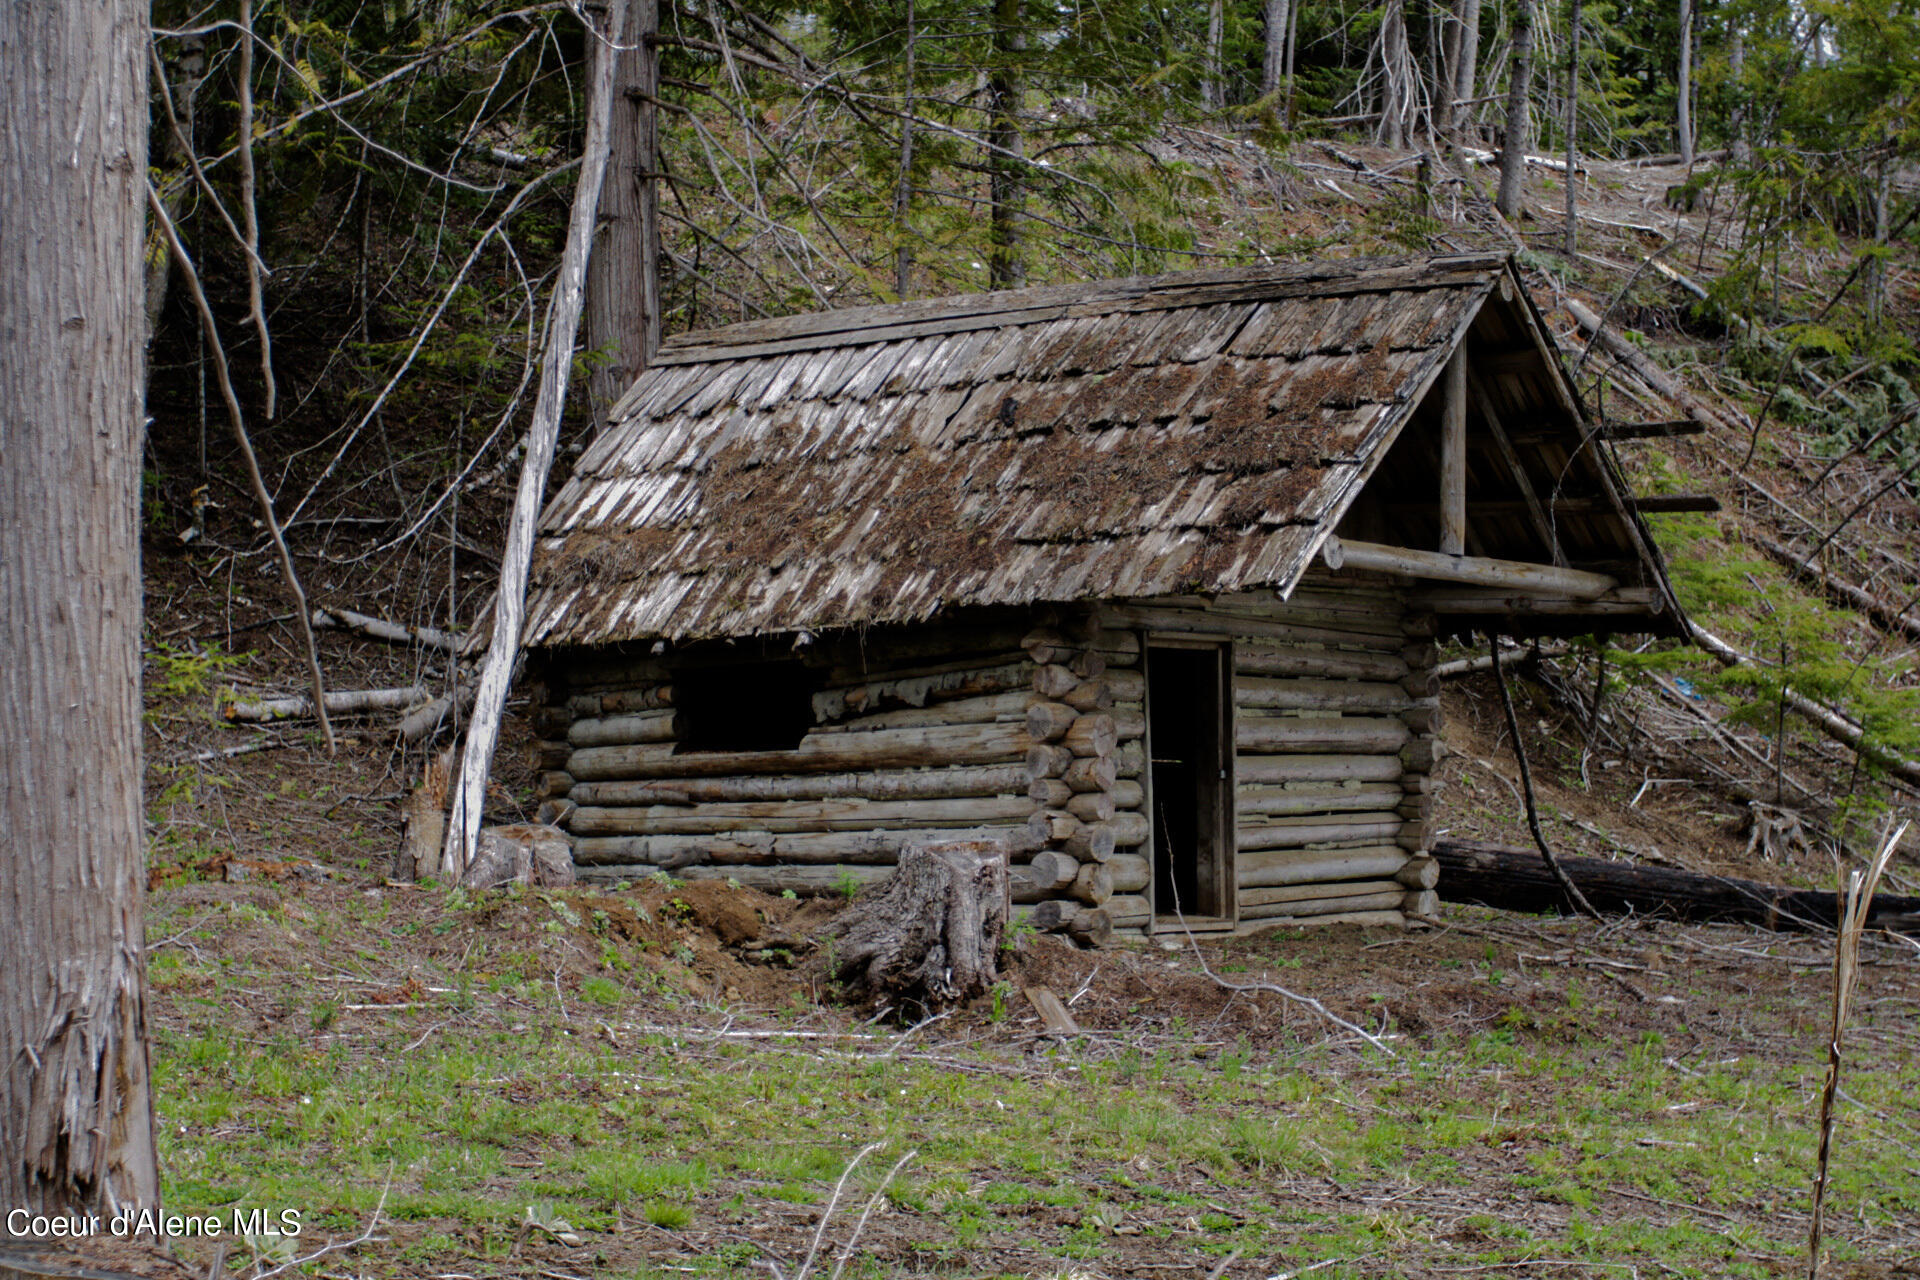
1140, 580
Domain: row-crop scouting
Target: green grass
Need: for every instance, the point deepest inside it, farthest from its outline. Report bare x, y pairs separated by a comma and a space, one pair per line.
466, 1106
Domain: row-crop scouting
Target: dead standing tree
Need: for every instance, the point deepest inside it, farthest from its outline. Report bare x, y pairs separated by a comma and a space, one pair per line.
563, 323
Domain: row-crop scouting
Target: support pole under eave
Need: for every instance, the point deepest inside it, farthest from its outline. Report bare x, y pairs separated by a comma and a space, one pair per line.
1453, 455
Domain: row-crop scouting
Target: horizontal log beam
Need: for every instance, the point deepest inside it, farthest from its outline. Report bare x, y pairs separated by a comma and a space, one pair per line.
1252, 767
898, 784
754, 848
817, 753
1307, 694
1621, 602
796, 816
1477, 571
1384, 901
1298, 833
1651, 430
1658, 503
1264, 660
1307, 735
1320, 892
1255, 801
1294, 866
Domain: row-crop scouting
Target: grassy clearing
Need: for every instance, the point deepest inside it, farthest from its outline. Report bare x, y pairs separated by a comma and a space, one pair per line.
479, 1065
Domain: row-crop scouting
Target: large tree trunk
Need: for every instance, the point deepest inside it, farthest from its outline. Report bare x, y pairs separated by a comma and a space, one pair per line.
1513, 149
1273, 62
930, 935
623, 277
76, 1106
1006, 149
556, 368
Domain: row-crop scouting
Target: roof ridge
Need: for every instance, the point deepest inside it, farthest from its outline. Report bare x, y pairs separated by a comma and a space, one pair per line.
895, 321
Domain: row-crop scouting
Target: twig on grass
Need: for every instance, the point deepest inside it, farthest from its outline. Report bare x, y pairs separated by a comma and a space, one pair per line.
341, 1246
846, 1250
1307, 1002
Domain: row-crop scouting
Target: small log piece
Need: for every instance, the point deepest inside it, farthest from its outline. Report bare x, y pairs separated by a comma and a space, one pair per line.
1093, 735
523, 853
1050, 721
1092, 773
1094, 884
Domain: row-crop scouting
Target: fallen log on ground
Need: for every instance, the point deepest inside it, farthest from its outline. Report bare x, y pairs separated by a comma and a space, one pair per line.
380, 629
1883, 613
1516, 880
340, 702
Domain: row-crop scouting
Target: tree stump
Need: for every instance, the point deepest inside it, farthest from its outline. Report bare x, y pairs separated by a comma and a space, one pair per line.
930, 933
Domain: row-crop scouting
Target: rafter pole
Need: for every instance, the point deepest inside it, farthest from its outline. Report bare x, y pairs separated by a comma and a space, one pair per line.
1453, 456
1511, 456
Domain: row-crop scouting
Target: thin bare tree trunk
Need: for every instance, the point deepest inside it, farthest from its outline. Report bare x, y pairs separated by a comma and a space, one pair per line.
250, 215
1741, 152
1006, 263
1212, 90
623, 276
1293, 46
1467, 71
510, 598
1513, 150
903, 193
1685, 82
76, 1103
1572, 243
1273, 61
1396, 91
1448, 75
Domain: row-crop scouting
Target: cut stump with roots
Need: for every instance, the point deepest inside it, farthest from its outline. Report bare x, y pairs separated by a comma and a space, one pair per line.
929, 934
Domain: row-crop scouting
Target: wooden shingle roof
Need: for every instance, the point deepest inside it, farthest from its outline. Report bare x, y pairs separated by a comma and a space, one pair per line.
1200, 432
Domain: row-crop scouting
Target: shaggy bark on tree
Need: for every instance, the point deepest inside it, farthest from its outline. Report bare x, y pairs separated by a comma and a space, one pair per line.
76, 1105
930, 934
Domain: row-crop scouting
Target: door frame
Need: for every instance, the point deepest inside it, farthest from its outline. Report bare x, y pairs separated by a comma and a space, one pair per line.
1223, 864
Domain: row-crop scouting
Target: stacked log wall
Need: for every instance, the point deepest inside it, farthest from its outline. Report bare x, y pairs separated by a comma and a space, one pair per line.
1336, 723
1088, 878
922, 737
1035, 737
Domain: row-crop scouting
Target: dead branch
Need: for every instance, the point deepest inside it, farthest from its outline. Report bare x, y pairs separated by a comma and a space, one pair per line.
1566, 884
260, 495
381, 629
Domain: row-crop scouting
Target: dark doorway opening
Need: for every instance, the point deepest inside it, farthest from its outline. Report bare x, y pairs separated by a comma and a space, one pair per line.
1187, 727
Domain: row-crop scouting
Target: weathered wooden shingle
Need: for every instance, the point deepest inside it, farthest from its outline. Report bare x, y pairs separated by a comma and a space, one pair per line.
1190, 433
